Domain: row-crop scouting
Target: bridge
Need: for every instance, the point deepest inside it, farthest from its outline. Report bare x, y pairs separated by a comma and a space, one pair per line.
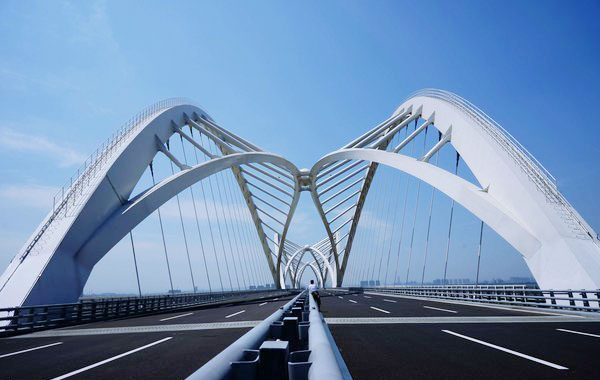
389, 307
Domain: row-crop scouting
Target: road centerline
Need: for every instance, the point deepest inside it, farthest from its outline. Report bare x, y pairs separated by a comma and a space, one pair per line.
78, 371
30, 349
509, 351
234, 314
177, 316
437, 308
380, 310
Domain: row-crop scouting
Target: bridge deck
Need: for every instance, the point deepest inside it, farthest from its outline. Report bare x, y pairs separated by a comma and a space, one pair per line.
379, 336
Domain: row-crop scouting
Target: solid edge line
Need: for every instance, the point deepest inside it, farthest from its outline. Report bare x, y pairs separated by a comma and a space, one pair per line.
437, 308
177, 316
565, 330
234, 314
30, 349
509, 351
477, 304
110, 359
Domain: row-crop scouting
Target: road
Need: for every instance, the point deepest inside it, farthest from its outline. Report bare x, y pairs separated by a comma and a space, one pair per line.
162, 346
379, 337
391, 337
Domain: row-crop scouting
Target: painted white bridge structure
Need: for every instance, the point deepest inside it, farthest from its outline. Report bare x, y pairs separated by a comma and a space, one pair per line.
514, 195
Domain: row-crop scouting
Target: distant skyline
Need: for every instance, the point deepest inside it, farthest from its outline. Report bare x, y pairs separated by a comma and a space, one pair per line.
298, 79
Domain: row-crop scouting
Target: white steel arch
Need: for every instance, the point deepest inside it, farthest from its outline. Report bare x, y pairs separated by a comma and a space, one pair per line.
56, 261
517, 197
297, 259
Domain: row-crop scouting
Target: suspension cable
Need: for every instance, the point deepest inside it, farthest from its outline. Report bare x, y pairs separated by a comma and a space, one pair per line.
228, 236
479, 253
197, 222
450, 225
187, 250
412, 236
212, 194
429, 221
397, 199
137, 275
162, 232
381, 202
229, 196
243, 232
408, 181
212, 237
385, 228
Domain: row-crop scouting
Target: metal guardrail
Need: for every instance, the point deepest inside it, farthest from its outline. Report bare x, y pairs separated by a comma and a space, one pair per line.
293, 343
220, 367
40, 317
576, 300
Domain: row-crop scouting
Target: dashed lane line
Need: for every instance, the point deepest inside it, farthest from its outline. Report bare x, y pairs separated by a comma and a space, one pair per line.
353, 301
565, 330
234, 314
367, 297
30, 349
73, 373
340, 297
437, 308
509, 351
177, 316
392, 301
263, 304
380, 310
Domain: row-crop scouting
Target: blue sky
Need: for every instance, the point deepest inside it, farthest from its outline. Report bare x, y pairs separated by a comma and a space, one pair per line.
297, 78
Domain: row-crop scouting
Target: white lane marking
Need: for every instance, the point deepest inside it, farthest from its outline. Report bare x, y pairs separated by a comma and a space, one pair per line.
111, 359
544, 362
234, 314
177, 316
378, 309
340, 298
353, 301
569, 331
437, 308
389, 300
263, 304
30, 349
366, 296
275, 299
